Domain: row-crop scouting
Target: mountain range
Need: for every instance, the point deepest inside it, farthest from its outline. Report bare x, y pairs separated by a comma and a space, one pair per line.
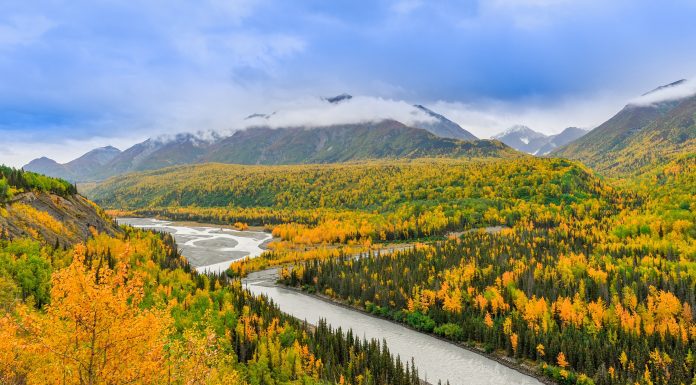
525, 139
653, 129
260, 144
285, 145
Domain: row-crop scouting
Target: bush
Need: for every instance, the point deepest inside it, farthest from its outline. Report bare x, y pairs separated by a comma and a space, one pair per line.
420, 321
450, 331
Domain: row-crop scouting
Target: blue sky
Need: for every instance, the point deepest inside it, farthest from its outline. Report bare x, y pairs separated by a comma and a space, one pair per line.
84, 73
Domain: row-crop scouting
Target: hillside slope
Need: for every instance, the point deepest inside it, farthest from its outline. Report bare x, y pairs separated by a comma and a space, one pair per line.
47, 209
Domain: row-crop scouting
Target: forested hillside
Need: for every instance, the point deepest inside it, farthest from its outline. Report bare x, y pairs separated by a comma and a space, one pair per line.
36, 206
364, 203
128, 308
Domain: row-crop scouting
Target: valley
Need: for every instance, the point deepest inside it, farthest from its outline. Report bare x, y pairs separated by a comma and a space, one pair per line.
394, 192
368, 252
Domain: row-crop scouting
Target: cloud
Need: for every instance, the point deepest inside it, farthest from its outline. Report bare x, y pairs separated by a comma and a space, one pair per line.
79, 69
316, 112
22, 30
682, 90
486, 118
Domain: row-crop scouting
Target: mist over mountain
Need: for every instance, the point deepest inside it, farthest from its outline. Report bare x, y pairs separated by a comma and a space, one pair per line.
334, 129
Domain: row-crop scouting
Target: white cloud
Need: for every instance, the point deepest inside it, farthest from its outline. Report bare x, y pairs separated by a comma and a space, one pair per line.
679, 91
488, 118
315, 112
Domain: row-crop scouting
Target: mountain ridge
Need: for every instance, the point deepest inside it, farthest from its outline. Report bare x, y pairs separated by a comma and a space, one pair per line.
291, 145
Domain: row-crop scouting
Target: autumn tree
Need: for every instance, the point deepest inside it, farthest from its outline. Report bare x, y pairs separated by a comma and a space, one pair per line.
94, 331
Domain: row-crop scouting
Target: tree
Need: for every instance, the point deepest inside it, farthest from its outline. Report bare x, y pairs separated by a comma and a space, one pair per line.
561, 360
94, 332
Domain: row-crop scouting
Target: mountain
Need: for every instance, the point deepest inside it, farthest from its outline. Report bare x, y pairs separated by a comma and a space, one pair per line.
652, 130
561, 139
442, 126
47, 166
265, 145
340, 143
90, 163
525, 139
261, 144
153, 154
47, 209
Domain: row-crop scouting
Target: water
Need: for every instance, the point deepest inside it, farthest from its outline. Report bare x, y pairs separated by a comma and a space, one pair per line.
434, 358
211, 248
207, 248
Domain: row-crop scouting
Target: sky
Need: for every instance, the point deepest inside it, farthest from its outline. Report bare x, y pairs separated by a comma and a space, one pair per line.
79, 74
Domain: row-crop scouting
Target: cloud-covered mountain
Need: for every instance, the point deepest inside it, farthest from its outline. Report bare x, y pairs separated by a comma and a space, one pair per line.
525, 139
651, 129
335, 129
347, 109
288, 145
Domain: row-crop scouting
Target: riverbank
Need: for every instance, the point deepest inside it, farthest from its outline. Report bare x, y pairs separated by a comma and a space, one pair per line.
499, 358
460, 362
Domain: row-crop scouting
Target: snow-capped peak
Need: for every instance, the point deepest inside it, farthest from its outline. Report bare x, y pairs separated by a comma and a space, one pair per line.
519, 129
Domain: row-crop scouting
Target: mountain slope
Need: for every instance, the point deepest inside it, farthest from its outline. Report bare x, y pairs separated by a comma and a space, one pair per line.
443, 127
561, 139
386, 139
87, 164
92, 161
47, 209
638, 136
153, 154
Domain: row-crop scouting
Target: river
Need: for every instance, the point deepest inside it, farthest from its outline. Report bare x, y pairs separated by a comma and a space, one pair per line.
208, 248
212, 248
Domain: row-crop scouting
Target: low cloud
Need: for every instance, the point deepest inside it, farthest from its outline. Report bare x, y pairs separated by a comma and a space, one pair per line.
316, 112
681, 90
488, 118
